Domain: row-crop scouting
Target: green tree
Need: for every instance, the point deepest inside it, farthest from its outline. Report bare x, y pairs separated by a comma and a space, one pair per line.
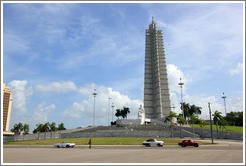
234, 118
217, 118
118, 113
26, 128
202, 123
53, 127
124, 112
185, 108
194, 110
17, 128
193, 119
61, 127
181, 121
170, 120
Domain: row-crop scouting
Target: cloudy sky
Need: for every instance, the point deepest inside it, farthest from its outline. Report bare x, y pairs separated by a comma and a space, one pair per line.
56, 54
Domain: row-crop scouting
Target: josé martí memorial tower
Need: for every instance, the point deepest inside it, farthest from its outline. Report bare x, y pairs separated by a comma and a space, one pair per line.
156, 90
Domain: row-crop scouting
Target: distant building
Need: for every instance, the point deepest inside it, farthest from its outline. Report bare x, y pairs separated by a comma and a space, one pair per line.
156, 90
7, 103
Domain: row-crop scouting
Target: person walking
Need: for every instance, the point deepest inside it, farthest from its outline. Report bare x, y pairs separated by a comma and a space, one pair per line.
89, 143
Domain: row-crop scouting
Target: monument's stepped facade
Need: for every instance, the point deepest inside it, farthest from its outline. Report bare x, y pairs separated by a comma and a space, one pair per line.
156, 89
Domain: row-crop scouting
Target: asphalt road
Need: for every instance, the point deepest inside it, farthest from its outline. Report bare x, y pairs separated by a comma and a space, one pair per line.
224, 152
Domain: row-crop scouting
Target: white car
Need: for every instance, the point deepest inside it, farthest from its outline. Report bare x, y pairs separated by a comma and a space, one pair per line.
153, 142
64, 145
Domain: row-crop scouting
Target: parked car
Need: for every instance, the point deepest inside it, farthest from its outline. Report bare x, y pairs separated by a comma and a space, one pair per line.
153, 142
64, 145
188, 142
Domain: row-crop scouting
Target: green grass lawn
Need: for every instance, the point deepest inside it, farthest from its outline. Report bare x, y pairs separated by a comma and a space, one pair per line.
98, 141
237, 129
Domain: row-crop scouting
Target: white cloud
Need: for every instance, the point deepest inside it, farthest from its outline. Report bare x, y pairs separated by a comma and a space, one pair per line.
40, 114
59, 87
174, 75
85, 108
237, 70
20, 94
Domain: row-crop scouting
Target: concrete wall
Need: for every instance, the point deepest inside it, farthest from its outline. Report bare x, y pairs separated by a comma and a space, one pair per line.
206, 133
128, 122
118, 133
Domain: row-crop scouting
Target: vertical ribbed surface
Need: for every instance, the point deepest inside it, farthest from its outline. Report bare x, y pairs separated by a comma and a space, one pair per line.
156, 91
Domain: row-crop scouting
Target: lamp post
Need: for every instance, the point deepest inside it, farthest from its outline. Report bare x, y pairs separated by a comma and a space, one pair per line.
94, 110
224, 97
210, 123
108, 108
182, 104
112, 110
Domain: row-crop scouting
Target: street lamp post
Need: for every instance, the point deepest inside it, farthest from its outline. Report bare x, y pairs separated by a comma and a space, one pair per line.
112, 110
224, 97
182, 104
108, 108
94, 110
211, 130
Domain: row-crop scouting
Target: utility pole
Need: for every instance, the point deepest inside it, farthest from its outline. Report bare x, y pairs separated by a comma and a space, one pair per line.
108, 109
210, 123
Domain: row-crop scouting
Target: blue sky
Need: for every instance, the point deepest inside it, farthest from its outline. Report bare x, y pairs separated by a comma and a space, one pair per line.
56, 54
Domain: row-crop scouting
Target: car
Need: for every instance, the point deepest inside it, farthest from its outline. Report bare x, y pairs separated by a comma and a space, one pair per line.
64, 145
153, 142
188, 142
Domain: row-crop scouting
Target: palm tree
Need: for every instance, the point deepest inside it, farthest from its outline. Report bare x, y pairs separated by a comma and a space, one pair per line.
124, 112
222, 124
195, 110
202, 123
181, 122
186, 107
17, 128
193, 119
169, 119
118, 113
61, 127
52, 126
217, 118
26, 128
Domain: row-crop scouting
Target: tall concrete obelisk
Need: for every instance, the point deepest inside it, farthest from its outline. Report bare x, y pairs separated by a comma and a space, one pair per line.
156, 91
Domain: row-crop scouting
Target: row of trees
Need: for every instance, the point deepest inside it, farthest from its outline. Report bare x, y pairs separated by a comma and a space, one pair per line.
191, 113
20, 127
48, 127
122, 112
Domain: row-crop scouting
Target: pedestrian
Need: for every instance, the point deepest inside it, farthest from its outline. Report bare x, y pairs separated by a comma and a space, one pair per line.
89, 143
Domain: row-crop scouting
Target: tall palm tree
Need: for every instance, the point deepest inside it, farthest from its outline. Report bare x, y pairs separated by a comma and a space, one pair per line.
181, 122
202, 123
186, 107
124, 112
170, 119
222, 124
61, 127
17, 128
26, 128
193, 119
195, 110
118, 113
52, 126
217, 118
